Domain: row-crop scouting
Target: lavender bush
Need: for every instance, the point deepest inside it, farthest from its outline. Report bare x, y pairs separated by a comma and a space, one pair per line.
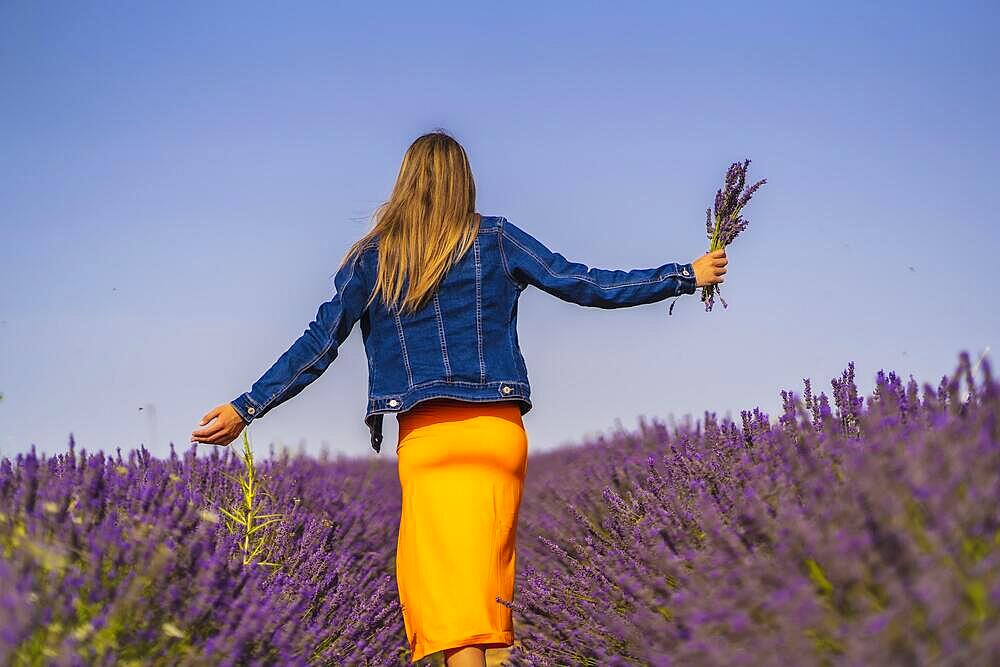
848, 531
862, 533
122, 561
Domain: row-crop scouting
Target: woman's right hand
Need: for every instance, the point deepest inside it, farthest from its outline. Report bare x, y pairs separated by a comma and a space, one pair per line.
710, 268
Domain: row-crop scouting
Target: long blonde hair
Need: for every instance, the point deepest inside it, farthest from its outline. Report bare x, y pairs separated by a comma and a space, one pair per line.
426, 225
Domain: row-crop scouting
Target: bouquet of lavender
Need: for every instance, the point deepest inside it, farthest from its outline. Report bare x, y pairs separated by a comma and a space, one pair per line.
729, 201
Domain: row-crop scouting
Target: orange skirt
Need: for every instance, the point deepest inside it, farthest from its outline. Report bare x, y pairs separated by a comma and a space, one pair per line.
461, 469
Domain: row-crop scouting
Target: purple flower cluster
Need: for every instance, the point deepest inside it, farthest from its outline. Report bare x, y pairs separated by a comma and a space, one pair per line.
727, 222
112, 560
863, 534
850, 530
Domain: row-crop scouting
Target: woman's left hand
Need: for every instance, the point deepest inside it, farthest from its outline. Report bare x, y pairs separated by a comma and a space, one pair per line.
227, 426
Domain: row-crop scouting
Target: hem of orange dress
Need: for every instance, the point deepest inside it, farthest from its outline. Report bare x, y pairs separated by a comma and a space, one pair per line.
490, 639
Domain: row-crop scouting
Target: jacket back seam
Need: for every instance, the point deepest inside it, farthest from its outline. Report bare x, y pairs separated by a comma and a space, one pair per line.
503, 255
402, 347
445, 381
444, 344
479, 322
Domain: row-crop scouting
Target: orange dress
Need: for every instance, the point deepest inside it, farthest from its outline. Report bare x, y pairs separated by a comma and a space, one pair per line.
461, 469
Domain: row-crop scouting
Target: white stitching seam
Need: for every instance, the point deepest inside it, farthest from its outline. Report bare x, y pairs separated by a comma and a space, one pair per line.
442, 381
477, 399
516, 351
503, 255
372, 371
583, 278
444, 345
329, 344
479, 325
510, 329
402, 345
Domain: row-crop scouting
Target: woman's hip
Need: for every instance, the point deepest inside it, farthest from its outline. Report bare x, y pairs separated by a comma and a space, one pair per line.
477, 435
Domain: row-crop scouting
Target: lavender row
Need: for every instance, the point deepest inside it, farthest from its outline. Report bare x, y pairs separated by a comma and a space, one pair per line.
125, 560
846, 531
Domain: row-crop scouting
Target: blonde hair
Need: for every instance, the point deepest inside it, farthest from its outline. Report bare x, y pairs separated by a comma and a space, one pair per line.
426, 225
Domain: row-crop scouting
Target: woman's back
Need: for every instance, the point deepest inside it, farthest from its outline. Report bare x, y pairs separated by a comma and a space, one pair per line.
462, 342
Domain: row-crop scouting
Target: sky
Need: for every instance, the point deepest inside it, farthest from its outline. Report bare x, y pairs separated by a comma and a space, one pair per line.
178, 182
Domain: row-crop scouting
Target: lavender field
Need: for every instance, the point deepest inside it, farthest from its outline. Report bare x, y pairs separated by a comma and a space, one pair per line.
848, 530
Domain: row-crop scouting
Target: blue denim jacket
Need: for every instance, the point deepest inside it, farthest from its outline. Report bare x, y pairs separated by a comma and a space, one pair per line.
463, 343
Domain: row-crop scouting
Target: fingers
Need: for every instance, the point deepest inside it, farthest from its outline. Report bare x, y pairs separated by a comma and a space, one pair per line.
220, 442
209, 432
219, 438
209, 416
217, 431
719, 262
711, 268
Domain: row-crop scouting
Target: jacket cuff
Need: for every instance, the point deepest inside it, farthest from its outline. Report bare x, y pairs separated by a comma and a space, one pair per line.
245, 407
685, 278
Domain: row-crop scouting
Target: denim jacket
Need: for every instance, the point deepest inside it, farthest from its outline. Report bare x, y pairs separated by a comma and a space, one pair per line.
462, 344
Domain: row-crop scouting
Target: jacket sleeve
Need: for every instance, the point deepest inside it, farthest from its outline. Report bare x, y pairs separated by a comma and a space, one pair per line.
315, 349
528, 262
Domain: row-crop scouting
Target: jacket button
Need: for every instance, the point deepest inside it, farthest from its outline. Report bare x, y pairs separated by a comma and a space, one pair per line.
685, 272
250, 410
505, 389
393, 402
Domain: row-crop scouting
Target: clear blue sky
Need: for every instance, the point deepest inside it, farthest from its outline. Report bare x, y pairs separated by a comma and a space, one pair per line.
179, 180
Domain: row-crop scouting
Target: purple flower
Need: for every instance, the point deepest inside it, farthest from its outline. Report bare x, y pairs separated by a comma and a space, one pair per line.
726, 223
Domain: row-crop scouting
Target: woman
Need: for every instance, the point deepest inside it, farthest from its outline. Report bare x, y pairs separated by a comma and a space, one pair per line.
435, 286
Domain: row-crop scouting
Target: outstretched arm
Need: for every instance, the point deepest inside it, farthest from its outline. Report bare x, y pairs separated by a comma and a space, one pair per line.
529, 262
297, 367
315, 349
